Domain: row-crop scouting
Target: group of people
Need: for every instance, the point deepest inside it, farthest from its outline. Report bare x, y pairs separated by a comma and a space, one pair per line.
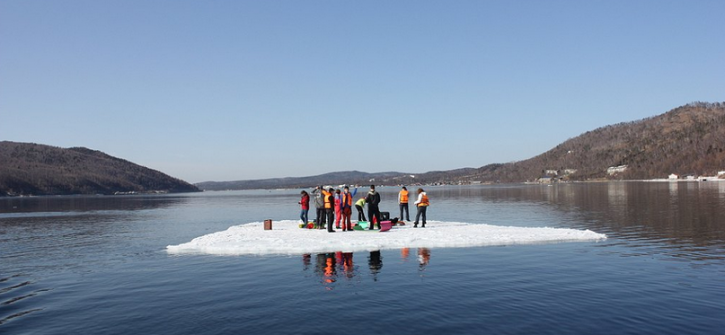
336, 206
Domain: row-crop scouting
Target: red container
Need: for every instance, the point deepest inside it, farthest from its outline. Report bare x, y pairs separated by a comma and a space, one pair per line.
268, 224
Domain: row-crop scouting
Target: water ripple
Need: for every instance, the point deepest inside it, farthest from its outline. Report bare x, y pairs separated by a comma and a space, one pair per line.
13, 297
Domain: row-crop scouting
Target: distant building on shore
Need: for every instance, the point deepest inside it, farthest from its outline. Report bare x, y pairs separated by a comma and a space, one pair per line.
616, 169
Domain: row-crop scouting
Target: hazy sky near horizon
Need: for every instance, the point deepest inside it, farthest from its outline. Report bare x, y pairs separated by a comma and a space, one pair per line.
230, 90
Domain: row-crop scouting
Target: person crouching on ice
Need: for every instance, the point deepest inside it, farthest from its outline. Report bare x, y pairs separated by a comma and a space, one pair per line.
359, 205
422, 204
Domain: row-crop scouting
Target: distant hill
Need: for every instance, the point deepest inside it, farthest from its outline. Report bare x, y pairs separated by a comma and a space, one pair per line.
35, 169
334, 178
340, 178
686, 140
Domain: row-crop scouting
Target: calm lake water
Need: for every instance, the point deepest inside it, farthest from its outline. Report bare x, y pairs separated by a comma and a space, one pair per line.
98, 265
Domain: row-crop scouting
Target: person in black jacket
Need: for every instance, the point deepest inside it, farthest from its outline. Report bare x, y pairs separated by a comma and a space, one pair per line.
373, 199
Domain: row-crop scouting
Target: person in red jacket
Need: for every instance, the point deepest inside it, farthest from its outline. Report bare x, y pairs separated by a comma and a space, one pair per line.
305, 205
338, 208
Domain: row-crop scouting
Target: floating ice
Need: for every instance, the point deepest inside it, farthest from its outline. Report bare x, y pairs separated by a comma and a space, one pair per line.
287, 239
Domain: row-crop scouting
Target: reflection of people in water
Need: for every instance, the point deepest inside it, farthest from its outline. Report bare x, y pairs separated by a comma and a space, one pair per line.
348, 266
375, 262
320, 264
404, 253
306, 260
423, 258
344, 259
330, 272
328, 266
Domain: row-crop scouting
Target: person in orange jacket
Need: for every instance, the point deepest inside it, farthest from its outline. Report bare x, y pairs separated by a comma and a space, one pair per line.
403, 201
346, 208
422, 204
329, 198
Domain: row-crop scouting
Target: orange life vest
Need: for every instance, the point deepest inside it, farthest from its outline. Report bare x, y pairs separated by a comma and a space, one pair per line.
326, 198
424, 200
346, 200
403, 197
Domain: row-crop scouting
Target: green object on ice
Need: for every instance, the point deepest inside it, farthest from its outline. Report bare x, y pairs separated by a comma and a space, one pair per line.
361, 225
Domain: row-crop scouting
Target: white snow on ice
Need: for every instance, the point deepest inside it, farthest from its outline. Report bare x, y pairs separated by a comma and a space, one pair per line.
286, 238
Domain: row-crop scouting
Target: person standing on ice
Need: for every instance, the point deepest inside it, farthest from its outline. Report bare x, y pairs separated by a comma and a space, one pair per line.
305, 206
422, 203
403, 201
319, 205
373, 200
338, 208
359, 205
346, 204
329, 208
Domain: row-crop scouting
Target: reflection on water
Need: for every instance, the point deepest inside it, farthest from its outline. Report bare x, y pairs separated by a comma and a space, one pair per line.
684, 220
14, 291
53, 206
375, 262
331, 267
74, 232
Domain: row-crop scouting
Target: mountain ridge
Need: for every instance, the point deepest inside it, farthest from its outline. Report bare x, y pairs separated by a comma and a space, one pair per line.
689, 139
37, 169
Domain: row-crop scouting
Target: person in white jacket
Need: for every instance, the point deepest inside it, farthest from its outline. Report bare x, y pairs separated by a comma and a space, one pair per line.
422, 203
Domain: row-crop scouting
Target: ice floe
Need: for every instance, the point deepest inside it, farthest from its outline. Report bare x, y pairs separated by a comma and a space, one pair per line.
286, 238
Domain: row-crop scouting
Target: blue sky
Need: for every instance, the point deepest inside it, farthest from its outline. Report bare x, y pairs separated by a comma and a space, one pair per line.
230, 90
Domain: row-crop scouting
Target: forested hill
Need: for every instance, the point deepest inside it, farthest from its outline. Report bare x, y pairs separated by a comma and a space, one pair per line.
35, 169
333, 178
686, 140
